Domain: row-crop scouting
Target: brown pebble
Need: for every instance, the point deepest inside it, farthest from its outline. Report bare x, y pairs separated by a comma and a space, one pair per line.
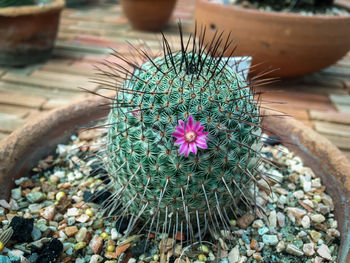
71, 231
321, 227
111, 255
48, 212
63, 204
88, 236
26, 191
27, 184
96, 244
121, 249
245, 220
254, 244
307, 207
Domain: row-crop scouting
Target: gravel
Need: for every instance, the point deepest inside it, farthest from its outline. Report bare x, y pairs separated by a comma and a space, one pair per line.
55, 213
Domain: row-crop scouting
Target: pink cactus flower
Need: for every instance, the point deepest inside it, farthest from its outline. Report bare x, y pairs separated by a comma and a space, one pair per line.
189, 136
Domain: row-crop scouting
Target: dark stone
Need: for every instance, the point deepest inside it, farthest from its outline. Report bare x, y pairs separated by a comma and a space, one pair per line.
98, 197
22, 229
172, 259
139, 248
50, 251
272, 140
121, 224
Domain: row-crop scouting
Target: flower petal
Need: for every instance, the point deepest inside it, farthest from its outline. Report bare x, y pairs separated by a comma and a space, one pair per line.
197, 126
177, 135
183, 148
181, 123
193, 148
187, 150
202, 145
190, 122
179, 141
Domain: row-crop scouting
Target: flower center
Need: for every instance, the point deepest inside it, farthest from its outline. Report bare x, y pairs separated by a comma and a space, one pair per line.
190, 136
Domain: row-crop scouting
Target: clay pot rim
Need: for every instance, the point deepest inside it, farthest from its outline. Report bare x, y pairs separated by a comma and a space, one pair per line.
280, 15
50, 129
55, 5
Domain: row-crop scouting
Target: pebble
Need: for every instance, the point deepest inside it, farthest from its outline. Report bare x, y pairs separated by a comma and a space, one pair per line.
298, 194
73, 212
16, 193
323, 251
48, 213
273, 218
96, 244
281, 218
333, 232
270, 240
96, 259
36, 234
263, 231
115, 234
4, 259
258, 223
305, 222
83, 218
33, 208
71, 231
79, 245
309, 249
315, 236
233, 256
327, 200
293, 250
81, 234
297, 212
280, 246
318, 218
35, 197
246, 220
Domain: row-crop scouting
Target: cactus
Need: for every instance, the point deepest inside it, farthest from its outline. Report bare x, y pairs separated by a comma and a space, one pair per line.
292, 5
183, 139
11, 3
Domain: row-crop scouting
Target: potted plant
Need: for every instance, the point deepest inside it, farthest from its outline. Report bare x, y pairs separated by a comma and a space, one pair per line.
28, 30
182, 157
280, 34
148, 15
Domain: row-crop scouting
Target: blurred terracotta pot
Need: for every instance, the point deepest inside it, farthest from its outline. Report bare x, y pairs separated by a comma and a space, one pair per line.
26, 146
293, 43
149, 15
28, 33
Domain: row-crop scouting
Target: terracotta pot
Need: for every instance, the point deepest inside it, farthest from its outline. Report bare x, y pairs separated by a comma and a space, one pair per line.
293, 43
28, 33
27, 145
149, 15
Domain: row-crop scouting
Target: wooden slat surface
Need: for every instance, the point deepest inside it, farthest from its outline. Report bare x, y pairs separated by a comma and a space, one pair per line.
86, 34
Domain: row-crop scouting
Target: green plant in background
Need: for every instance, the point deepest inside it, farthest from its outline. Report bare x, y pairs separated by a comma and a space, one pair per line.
183, 139
9, 3
292, 5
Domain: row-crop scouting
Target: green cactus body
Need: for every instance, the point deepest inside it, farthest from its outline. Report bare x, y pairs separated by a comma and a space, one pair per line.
151, 179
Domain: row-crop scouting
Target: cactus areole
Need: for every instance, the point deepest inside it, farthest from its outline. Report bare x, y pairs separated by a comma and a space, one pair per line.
183, 139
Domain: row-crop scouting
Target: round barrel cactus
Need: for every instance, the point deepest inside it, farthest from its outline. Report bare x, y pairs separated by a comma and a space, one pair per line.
183, 139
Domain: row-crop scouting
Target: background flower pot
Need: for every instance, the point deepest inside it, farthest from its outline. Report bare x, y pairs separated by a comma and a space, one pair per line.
149, 15
28, 33
293, 43
26, 146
